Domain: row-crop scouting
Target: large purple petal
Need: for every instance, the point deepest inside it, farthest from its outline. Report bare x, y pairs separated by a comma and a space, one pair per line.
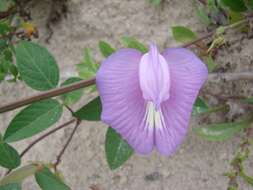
123, 104
188, 74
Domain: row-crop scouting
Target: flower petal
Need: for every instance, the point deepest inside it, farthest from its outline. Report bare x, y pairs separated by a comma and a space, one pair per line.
123, 105
188, 74
154, 76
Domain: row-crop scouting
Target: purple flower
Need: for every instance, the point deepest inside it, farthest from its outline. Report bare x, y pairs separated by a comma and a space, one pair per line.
148, 98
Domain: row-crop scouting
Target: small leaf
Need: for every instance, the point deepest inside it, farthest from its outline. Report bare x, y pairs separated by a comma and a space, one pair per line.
235, 5
221, 131
4, 28
9, 156
5, 5
201, 13
33, 119
105, 49
251, 4
90, 111
200, 106
155, 2
74, 96
37, 66
48, 181
248, 100
117, 150
19, 175
211, 65
183, 34
131, 42
247, 178
11, 186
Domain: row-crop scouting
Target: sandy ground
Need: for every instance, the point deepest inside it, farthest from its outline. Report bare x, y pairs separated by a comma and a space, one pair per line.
197, 165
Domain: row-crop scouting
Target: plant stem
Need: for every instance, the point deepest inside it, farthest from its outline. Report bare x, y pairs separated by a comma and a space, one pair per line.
47, 94
43, 137
59, 157
85, 83
46, 135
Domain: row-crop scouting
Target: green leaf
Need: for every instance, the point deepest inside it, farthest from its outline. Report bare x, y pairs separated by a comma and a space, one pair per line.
201, 13
248, 100
90, 111
74, 96
221, 131
37, 66
49, 181
33, 119
251, 4
5, 5
155, 2
211, 65
11, 186
247, 178
235, 5
9, 156
200, 106
131, 42
4, 28
235, 17
19, 175
183, 34
105, 48
117, 150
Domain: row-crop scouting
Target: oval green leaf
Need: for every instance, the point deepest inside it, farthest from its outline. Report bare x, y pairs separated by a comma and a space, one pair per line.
221, 131
33, 119
183, 34
105, 48
19, 175
235, 5
49, 181
200, 106
9, 157
131, 42
37, 66
91, 111
11, 186
72, 97
117, 149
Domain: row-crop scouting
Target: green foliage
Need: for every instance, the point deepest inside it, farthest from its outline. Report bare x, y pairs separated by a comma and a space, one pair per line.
247, 178
49, 181
9, 156
90, 111
235, 5
155, 2
211, 65
201, 13
117, 149
19, 175
72, 97
248, 100
88, 67
37, 66
11, 186
221, 131
5, 5
33, 119
106, 49
183, 34
133, 43
200, 106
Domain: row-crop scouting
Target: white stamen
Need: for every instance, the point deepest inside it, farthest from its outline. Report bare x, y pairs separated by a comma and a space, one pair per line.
154, 118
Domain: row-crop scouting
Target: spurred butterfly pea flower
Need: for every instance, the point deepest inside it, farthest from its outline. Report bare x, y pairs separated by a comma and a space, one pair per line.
148, 98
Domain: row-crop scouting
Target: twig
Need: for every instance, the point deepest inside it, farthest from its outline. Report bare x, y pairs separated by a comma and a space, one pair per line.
46, 95
7, 13
58, 159
42, 137
46, 135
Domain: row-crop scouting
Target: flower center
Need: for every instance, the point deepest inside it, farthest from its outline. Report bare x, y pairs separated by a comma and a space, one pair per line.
154, 117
